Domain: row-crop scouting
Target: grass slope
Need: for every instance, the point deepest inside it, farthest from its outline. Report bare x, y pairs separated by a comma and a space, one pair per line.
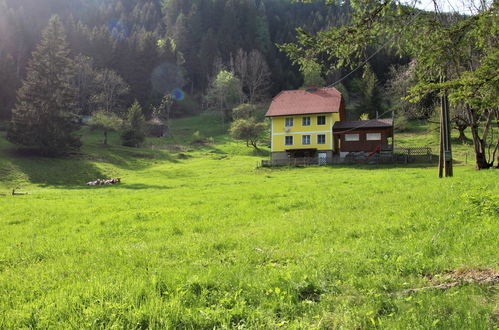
196, 237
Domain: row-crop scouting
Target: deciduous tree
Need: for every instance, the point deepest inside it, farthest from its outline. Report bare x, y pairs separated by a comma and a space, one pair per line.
110, 92
107, 122
249, 130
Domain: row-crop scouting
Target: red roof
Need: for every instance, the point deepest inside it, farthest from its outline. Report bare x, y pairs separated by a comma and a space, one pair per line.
298, 102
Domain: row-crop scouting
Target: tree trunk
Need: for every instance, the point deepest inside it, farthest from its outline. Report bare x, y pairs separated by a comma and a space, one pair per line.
253, 143
462, 136
479, 145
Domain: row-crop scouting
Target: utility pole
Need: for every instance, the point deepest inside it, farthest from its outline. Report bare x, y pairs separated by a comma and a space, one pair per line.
445, 157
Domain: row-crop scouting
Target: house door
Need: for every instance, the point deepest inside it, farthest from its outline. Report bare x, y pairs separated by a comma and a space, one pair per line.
322, 158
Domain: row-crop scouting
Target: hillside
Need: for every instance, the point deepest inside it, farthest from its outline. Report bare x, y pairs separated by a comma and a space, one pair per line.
197, 237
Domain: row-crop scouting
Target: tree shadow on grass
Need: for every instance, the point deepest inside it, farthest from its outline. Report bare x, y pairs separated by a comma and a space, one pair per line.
127, 158
45, 171
76, 170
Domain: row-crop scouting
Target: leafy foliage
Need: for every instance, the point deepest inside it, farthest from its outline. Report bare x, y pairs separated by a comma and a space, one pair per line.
105, 121
248, 130
224, 93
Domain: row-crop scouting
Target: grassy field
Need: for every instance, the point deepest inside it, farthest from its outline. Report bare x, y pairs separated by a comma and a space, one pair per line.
197, 237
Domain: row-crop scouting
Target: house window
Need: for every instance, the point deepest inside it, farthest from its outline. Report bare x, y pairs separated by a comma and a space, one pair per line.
321, 139
305, 121
321, 120
352, 137
373, 137
305, 139
288, 140
289, 122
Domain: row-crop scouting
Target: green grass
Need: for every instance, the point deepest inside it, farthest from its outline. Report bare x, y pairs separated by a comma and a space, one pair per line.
197, 237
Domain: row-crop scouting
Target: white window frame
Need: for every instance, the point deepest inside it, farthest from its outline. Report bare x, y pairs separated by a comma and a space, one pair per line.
352, 137
373, 137
304, 139
324, 135
325, 120
288, 122
286, 138
305, 121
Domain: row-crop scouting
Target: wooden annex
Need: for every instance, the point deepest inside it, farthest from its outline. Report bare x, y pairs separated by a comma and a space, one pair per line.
364, 135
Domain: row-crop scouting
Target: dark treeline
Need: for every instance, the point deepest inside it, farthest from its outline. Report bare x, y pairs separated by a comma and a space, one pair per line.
160, 45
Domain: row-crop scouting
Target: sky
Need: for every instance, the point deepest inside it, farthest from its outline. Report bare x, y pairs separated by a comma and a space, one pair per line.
462, 6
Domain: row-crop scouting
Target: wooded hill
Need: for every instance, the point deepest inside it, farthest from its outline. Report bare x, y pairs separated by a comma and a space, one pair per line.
147, 42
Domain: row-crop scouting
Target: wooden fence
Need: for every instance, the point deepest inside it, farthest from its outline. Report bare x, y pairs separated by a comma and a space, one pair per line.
400, 155
415, 154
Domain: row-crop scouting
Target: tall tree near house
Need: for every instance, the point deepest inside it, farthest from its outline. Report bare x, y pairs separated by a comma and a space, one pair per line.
45, 115
369, 93
110, 92
312, 76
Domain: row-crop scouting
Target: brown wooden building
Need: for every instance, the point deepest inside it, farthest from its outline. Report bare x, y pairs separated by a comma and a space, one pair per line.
364, 135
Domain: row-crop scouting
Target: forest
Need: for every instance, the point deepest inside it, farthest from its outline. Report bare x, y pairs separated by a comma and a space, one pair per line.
153, 45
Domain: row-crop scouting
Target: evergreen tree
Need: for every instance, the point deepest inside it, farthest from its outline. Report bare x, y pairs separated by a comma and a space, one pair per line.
8, 86
134, 133
45, 115
370, 100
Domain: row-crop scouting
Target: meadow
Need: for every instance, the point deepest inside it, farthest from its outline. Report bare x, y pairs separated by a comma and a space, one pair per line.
196, 236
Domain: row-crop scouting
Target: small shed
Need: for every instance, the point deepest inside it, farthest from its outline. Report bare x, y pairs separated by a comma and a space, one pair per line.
364, 135
156, 127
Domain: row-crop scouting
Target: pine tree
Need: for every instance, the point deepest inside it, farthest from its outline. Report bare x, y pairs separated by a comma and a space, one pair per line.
8, 86
134, 133
45, 115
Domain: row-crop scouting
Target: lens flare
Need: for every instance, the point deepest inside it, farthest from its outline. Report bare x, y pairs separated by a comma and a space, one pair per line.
166, 78
178, 94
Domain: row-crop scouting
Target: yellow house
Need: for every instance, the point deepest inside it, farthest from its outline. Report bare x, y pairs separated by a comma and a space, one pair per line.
302, 124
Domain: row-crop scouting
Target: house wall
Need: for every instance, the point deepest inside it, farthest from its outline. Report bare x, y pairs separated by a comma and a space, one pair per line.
298, 130
363, 144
